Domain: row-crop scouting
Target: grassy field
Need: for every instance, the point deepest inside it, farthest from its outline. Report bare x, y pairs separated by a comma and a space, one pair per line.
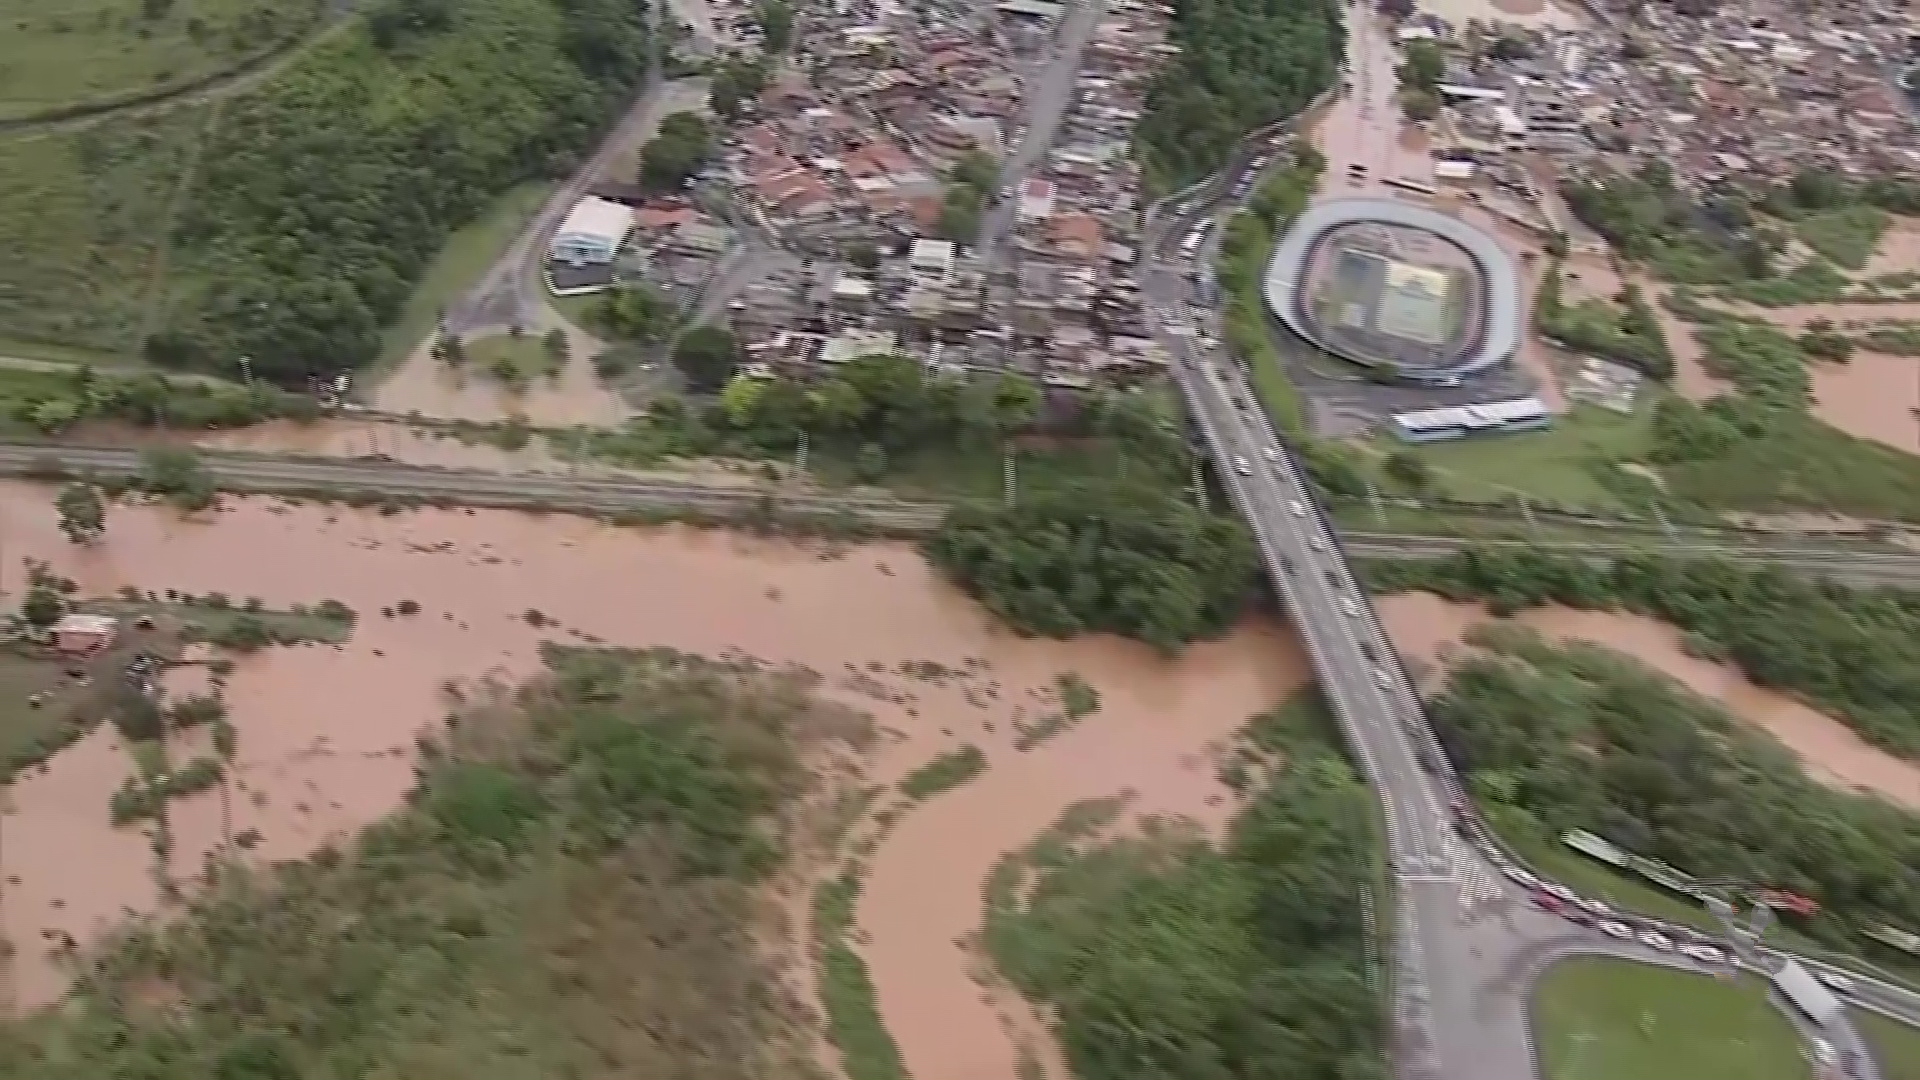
1895, 1046
1557, 465
462, 261
1847, 235
81, 219
516, 361
1599, 1019
57, 54
955, 472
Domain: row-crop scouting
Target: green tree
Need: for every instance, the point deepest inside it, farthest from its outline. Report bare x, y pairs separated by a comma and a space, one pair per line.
707, 356
1425, 66
555, 344
864, 254
635, 312
1410, 469
83, 515
775, 18
870, 466
741, 400
43, 605
1419, 104
450, 350
960, 213
681, 147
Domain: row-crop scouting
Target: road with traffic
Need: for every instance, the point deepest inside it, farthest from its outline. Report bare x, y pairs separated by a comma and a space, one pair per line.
1047, 99
1465, 955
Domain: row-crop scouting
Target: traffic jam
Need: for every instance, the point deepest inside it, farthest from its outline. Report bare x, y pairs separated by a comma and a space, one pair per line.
1556, 899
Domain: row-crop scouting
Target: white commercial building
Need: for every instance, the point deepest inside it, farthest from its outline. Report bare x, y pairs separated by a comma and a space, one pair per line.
592, 233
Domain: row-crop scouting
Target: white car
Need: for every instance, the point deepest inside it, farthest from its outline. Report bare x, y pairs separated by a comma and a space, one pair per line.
1617, 929
1382, 679
1597, 909
1836, 981
1349, 608
1654, 939
1316, 543
1558, 892
1242, 466
1296, 508
1823, 1053
1706, 954
1520, 877
1271, 453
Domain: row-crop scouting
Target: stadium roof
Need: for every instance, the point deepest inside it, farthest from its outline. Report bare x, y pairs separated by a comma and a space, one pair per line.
1496, 268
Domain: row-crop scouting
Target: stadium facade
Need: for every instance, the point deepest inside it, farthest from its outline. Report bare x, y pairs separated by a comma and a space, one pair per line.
1406, 297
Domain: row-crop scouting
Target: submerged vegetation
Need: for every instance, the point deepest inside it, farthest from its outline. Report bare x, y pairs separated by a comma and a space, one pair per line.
1161, 955
1852, 652
568, 892
1126, 560
1581, 737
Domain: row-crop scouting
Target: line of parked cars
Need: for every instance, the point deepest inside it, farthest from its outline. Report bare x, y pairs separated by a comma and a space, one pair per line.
1557, 899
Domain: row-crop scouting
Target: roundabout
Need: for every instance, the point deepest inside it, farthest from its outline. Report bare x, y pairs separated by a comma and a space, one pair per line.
1398, 288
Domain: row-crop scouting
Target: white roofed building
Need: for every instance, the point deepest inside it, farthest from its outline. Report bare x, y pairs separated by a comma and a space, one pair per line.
592, 232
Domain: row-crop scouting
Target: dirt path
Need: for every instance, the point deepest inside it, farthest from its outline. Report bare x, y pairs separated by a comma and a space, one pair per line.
245, 76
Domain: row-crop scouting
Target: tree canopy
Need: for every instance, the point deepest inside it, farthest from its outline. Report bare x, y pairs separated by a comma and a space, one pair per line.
321, 196
1167, 958
1128, 560
1581, 737
1242, 64
1853, 652
707, 356
682, 145
607, 830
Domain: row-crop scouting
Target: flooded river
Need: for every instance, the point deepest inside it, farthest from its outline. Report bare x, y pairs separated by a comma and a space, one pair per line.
326, 734
1425, 626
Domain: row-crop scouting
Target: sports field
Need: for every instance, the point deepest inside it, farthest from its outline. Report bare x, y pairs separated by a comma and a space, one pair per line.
1602, 1019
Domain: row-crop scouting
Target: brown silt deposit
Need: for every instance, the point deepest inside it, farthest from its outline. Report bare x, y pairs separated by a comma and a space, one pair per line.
1425, 626
326, 733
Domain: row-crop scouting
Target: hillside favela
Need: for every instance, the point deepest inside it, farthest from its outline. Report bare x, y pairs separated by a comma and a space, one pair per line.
959, 540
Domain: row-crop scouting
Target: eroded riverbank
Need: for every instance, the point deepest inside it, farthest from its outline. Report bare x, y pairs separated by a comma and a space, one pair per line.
326, 733
1427, 628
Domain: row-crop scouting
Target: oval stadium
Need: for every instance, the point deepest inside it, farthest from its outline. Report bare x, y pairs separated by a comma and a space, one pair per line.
1398, 288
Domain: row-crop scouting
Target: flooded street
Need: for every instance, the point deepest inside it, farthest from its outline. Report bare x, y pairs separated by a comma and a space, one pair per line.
428, 387
1872, 396
1426, 627
326, 733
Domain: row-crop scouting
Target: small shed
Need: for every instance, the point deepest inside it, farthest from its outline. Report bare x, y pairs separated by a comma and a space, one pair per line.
78, 634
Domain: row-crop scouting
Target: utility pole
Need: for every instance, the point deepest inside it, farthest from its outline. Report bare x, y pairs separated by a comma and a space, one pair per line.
800, 454
1373, 498
1007, 472
1662, 518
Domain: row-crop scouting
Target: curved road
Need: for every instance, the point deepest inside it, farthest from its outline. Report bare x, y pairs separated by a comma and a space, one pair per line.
1465, 953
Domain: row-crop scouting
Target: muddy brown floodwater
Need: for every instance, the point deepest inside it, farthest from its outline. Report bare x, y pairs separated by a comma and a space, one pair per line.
424, 385
1425, 626
326, 734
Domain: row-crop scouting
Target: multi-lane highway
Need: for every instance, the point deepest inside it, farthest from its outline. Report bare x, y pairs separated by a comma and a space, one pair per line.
1465, 953
1459, 1011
